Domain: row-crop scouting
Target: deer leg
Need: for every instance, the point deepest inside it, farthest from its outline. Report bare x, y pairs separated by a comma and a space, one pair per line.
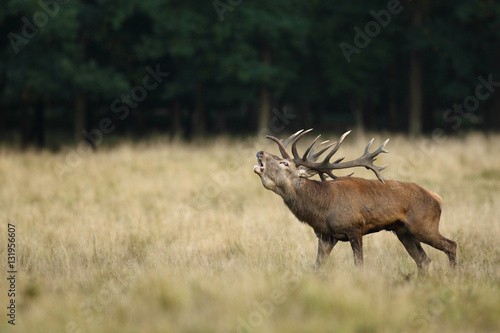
450, 248
415, 250
356, 241
325, 246
441, 243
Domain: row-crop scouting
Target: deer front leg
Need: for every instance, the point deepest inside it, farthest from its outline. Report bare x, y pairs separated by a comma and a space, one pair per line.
325, 246
356, 241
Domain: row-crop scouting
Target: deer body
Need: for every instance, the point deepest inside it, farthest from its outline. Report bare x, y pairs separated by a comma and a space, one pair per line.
346, 208
344, 204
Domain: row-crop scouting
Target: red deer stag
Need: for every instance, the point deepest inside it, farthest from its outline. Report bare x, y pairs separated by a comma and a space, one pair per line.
346, 208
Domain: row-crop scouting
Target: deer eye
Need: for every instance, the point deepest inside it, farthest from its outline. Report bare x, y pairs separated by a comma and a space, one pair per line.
284, 163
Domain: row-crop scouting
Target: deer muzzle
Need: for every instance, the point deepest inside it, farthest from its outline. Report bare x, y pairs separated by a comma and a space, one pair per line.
258, 169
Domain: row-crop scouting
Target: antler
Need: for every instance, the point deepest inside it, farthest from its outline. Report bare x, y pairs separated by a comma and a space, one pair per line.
325, 167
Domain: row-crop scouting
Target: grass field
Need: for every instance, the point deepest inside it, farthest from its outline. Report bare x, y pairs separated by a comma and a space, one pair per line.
161, 236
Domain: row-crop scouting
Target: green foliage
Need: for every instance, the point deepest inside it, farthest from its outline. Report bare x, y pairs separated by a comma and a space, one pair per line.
293, 48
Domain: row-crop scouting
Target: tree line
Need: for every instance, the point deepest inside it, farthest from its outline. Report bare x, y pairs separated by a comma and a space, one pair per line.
192, 69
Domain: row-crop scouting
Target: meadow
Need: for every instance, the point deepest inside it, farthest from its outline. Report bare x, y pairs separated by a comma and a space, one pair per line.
165, 236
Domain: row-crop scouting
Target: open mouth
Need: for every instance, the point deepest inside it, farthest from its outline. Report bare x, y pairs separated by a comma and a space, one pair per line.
258, 168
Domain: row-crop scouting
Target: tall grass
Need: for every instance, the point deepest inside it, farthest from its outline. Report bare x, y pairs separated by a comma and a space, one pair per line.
173, 237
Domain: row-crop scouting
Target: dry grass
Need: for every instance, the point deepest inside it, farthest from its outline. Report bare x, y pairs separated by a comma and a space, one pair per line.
172, 237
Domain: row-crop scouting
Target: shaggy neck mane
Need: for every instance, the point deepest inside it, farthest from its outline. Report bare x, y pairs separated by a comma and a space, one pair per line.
308, 199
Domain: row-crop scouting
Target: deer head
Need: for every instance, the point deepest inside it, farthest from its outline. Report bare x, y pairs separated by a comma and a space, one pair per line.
280, 173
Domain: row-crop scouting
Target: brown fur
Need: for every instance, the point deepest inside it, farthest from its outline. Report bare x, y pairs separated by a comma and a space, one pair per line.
346, 208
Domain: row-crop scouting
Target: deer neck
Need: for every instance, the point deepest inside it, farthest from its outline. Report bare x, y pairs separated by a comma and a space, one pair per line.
307, 200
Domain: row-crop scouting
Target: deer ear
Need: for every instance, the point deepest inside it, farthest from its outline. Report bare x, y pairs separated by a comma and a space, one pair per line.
306, 172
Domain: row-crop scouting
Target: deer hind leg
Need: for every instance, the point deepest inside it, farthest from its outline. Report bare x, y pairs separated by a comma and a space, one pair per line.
356, 241
444, 244
325, 246
437, 241
415, 250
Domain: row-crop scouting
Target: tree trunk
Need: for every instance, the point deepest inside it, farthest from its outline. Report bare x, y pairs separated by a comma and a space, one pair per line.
80, 116
2, 120
264, 108
38, 128
415, 85
220, 122
140, 127
265, 96
306, 114
250, 116
393, 113
26, 124
199, 121
356, 104
176, 119
318, 115
3, 80
393, 104
371, 118
492, 113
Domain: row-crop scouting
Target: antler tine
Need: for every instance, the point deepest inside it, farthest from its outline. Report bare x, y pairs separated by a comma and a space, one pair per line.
304, 157
367, 148
379, 149
382, 146
314, 156
338, 160
334, 150
366, 160
291, 137
373, 167
377, 170
294, 143
282, 148
282, 145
